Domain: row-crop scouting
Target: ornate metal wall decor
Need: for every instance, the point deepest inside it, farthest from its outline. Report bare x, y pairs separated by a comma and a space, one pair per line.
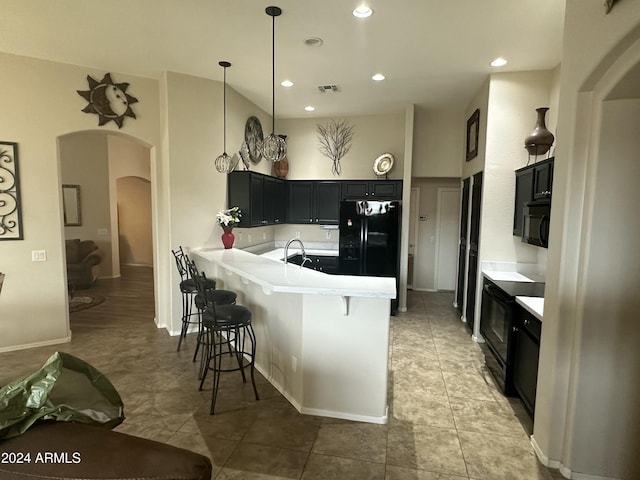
335, 141
108, 99
10, 213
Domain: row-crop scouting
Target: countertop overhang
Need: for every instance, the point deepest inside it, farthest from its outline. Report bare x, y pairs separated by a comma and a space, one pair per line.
275, 276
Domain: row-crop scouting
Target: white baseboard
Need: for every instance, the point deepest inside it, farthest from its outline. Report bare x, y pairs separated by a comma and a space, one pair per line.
424, 289
566, 472
46, 343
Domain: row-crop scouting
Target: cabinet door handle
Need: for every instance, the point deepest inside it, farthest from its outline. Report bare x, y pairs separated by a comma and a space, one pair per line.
526, 321
515, 329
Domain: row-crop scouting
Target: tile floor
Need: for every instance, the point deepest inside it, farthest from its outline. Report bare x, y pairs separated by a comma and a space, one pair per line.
447, 420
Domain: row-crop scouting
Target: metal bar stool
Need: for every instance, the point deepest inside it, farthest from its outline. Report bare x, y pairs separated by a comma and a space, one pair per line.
225, 325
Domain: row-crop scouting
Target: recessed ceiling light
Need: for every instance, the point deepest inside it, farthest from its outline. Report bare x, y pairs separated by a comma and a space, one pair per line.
378, 77
362, 12
499, 62
287, 83
309, 108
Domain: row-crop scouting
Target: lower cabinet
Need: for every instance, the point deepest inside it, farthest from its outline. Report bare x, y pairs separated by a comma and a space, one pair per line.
322, 263
526, 340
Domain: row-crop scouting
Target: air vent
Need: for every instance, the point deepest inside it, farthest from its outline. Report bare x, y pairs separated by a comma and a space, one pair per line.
329, 88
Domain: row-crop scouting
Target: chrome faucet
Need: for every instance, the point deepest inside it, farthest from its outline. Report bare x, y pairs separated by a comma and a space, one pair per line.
286, 251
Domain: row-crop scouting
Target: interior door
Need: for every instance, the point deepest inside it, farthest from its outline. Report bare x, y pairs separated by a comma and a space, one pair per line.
462, 243
474, 238
447, 231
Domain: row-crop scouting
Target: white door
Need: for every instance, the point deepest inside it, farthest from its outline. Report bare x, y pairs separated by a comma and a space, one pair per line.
447, 238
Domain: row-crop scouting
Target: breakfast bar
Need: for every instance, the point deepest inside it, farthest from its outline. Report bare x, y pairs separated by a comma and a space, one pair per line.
322, 340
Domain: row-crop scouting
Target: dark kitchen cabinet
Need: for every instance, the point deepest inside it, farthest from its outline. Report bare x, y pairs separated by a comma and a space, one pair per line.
372, 189
533, 182
313, 202
462, 243
261, 198
321, 263
526, 346
472, 249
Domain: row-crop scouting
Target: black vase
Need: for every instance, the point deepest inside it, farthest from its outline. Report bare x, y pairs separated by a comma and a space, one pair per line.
540, 140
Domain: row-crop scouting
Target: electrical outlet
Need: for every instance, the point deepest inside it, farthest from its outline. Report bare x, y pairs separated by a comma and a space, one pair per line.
328, 234
264, 235
103, 231
249, 237
297, 234
38, 255
294, 364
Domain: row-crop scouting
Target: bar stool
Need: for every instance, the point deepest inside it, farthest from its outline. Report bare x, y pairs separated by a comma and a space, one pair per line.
228, 325
188, 291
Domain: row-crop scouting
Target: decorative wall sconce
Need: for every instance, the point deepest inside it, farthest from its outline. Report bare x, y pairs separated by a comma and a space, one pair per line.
109, 100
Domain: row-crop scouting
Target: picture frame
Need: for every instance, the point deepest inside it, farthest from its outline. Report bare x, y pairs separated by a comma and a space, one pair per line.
71, 206
473, 131
10, 205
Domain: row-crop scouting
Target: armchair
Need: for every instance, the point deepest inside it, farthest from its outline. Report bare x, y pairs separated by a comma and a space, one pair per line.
83, 262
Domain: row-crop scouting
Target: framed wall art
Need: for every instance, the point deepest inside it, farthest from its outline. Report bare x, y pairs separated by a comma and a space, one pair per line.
10, 211
473, 131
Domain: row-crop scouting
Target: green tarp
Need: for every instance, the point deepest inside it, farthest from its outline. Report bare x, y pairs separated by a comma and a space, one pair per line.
65, 389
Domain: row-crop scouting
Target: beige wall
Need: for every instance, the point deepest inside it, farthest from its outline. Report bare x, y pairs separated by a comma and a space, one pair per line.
438, 143
42, 104
373, 136
586, 411
134, 221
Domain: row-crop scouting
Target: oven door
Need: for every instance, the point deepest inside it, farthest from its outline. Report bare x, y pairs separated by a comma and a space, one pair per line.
495, 323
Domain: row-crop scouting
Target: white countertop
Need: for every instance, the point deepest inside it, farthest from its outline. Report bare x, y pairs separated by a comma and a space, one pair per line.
512, 272
534, 305
274, 276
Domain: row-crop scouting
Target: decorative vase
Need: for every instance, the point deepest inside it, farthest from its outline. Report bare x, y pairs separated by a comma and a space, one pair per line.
540, 140
228, 237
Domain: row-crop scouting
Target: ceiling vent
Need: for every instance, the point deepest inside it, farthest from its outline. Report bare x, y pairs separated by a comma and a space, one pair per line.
329, 88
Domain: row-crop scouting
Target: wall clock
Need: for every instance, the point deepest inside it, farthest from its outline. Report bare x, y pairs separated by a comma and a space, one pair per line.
253, 136
109, 100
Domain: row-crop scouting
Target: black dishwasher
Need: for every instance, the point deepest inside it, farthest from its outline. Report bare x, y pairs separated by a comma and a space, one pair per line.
526, 341
497, 321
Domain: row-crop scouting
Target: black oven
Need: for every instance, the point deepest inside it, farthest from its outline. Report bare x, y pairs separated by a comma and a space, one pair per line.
496, 325
535, 226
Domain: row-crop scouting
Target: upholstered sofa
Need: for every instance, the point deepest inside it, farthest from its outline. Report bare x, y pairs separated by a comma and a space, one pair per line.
83, 262
65, 451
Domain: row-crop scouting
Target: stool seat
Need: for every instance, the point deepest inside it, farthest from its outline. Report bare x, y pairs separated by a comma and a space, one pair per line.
189, 286
227, 316
219, 297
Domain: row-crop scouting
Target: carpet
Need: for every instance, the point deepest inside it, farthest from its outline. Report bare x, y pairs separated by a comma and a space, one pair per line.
83, 302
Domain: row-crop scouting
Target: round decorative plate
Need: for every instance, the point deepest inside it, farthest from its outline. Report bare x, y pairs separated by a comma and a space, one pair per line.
383, 164
254, 137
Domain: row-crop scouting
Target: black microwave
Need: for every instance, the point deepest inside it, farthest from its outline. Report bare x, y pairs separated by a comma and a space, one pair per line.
535, 227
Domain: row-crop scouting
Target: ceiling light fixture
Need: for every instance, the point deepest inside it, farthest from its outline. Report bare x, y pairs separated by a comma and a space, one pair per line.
273, 147
362, 12
378, 77
286, 83
499, 62
309, 108
225, 163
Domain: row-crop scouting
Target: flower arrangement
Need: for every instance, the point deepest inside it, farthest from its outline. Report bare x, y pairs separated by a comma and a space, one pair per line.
229, 218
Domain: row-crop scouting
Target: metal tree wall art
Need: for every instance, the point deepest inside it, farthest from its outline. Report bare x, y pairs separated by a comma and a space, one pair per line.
335, 141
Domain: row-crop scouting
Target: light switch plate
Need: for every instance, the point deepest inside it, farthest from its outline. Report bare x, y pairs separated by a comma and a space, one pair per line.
38, 255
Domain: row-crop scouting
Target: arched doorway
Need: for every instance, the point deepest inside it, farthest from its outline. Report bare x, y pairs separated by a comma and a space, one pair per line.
101, 165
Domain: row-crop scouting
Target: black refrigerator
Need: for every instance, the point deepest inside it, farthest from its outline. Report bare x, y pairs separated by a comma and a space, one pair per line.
370, 240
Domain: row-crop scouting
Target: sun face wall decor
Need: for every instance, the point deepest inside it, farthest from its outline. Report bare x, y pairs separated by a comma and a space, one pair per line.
109, 100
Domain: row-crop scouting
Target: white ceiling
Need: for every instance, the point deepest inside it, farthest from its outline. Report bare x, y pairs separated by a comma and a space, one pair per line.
434, 53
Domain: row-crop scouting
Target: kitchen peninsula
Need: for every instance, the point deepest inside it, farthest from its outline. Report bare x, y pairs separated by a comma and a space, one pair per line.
322, 340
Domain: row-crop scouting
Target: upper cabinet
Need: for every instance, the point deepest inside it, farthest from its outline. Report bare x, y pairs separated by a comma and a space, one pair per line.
311, 202
372, 189
261, 198
533, 182
267, 200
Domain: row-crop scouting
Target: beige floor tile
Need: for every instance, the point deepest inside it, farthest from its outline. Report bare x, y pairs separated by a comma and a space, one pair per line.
357, 441
278, 462
496, 457
419, 408
400, 473
323, 467
467, 385
486, 417
425, 448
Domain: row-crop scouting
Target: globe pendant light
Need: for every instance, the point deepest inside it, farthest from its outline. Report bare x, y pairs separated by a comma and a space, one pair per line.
225, 163
273, 147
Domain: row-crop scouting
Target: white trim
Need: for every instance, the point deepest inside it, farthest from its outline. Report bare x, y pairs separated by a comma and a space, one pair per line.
424, 289
436, 269
25, 346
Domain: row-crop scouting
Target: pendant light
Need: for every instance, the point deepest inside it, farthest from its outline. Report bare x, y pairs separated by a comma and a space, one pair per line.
273, 147
225, 163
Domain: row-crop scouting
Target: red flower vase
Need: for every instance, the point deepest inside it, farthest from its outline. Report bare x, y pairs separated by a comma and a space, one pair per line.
228, 237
